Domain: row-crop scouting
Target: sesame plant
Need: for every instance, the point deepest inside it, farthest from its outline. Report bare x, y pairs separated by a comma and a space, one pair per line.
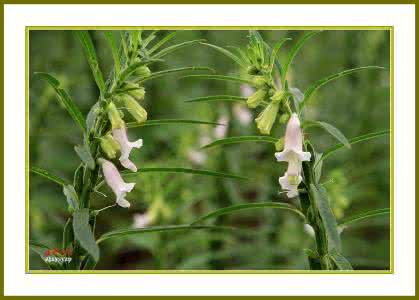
105, 147
278, 103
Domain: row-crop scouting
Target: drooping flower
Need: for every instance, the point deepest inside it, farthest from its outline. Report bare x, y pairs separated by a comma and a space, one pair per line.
135, 109
267, 117
114, 180
120, 135
256, 98
293, 154
114, 116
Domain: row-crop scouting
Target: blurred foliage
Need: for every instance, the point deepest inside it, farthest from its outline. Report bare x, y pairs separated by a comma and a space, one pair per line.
357, 179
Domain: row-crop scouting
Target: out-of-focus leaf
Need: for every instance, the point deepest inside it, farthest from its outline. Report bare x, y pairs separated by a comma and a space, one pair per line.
170, 122
83, 151
46, 174
293, 52
89, 50
320, 197
64, 99
125, 232
176, 47
71, 195
222, 78
315, 86
171, 71
162, 42
336, 133
247, 206
354, 140
227, 53
364, 216
242, 139
217, 98
184, 170
83, 232
92, 116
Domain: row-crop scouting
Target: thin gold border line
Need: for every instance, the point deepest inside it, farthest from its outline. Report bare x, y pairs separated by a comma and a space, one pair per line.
209, 27
214, 272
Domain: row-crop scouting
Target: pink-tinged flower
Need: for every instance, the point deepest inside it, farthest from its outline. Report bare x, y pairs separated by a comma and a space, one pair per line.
293, 154
246, 90
114, 180
220, 131
242, 114
142, 220
120, 135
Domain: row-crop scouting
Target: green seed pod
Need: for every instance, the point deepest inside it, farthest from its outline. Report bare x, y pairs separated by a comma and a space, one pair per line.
267, 117
109, 146
135, 109
255, 99
114, 116
279, 145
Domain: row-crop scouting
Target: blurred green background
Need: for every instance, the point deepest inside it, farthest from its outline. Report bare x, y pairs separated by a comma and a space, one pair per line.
357, 180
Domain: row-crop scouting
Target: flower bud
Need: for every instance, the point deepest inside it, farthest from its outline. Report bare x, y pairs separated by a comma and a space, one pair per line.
114, 116
259, 82
267, 117
278, 96
256, 99
109, 145
142, 71
284, 118
279, 145
138, 93
135, 109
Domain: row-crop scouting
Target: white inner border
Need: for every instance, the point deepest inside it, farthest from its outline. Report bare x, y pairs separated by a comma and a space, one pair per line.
402, 17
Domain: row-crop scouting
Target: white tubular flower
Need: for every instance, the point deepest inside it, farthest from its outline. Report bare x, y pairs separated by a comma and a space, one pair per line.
114, 180
120, 135
294, 155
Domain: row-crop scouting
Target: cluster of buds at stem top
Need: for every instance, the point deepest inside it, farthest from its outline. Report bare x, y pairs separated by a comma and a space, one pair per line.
294, 155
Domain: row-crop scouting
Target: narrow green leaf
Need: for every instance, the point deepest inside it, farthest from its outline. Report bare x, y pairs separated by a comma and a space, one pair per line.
354, 140
176, 47
314, 87
293, 52
171, 71
184, 170
274, 52
64, 99
169, 122
217, 98
131, 69
318, 163
239, 207
83, 232
46, 174
71, 195
242, 139
227, 53
126, 232
222, 78
148, 39
340, 261
110, 38
83, 151
336, 133
320, 197
364, 216
89, 50
162, 42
